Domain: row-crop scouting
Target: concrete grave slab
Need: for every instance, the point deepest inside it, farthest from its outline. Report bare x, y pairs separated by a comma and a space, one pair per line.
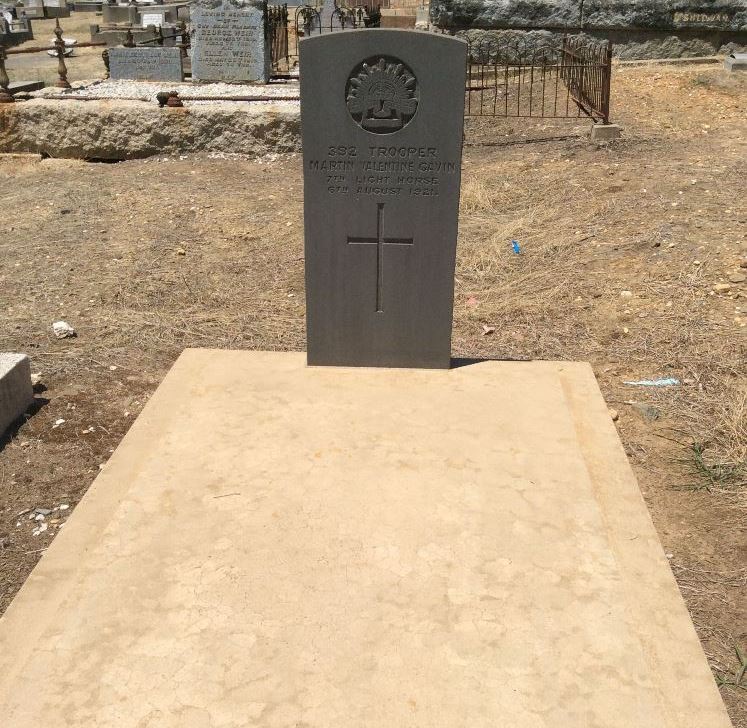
16, 391
275, 545
17, 87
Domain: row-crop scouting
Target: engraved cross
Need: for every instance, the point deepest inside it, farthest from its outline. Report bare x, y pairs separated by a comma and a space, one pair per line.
380, 241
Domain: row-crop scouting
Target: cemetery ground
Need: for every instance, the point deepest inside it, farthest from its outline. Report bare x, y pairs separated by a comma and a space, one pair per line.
85, 63
631, 257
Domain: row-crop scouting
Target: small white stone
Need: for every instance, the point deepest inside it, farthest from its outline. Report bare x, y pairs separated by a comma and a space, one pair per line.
626, 294
63, 330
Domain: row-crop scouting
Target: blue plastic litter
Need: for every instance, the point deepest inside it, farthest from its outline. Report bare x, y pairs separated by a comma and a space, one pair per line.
515, 245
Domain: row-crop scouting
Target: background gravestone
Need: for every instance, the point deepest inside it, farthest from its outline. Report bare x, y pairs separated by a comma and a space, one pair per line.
328, 18
146, 64
382, 114
229, 42
153, 17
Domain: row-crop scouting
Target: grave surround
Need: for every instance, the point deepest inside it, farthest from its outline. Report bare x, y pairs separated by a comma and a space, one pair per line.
277, 545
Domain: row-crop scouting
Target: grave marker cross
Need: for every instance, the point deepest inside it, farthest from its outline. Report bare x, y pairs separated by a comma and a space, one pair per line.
379, 241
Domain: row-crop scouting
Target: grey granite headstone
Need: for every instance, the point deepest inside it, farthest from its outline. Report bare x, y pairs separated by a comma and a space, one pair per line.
382, 114
146, 64
229, 43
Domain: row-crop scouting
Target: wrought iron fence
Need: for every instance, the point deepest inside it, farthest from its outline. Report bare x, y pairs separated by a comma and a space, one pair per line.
309, 20
277, 36
566, 79
59, 49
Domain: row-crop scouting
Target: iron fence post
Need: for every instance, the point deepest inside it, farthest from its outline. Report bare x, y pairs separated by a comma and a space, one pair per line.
6, 97
606, 84
105, 59
59, 45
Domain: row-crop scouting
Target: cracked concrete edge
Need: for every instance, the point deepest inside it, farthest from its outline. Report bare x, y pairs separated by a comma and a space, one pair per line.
658, 607
49, 583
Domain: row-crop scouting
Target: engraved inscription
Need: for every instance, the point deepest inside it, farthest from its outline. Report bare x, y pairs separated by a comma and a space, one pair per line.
229, 44
701, 18
146, 64
380, 241
382, 95
383, 170
152, 19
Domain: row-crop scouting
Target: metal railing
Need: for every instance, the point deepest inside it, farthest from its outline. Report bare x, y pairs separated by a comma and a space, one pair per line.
564, 79
277, 37
59, 49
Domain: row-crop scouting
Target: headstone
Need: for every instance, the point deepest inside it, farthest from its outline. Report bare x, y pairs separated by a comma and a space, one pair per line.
34, 9
119, 14
382, 114
146, 64
151, 18
396, 20
329, 18
229, 43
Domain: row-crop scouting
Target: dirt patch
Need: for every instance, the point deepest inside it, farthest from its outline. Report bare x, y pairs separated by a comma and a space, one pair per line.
85, 63
620, 249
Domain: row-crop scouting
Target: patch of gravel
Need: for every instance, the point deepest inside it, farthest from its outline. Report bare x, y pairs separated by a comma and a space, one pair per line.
147, 90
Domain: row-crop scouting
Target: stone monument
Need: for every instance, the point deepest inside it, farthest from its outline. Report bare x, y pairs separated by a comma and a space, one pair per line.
382, 114
229, 42
328, 20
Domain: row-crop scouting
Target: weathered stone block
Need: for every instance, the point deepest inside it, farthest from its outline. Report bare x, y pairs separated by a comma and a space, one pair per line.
16, 392
605, 132
736, 62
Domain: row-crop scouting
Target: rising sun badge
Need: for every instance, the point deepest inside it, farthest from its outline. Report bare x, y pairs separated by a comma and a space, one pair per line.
382, 95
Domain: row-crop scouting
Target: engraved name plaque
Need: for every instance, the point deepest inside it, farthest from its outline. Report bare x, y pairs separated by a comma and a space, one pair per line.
146, 64
382, 114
